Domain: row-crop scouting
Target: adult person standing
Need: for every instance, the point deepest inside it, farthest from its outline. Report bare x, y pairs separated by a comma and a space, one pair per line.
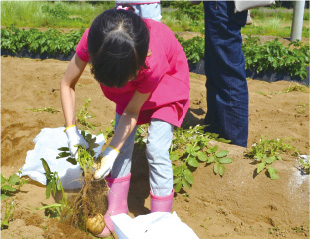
149, 9
227, 90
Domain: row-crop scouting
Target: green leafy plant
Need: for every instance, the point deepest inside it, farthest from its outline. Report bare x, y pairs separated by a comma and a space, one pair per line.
83, 117
9, 186
53, 185
8, 215
189, 148
109, 132
274, 56
218, 158
89, 203
141, 135
194, 12
52, 41
86, 156
266, 151
194, 48
46, 109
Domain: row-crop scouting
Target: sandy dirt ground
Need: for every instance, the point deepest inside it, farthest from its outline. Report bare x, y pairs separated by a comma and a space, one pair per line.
239, 205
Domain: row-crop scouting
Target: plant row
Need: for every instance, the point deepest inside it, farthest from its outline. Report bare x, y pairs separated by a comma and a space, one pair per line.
52, 41
270, 56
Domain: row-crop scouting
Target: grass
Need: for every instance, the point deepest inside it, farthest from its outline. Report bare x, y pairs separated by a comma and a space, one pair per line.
282, 13
60, 14
273, 26
50, 14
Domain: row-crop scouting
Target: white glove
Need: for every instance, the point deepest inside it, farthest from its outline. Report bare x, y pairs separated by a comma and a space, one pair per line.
75, 139
108, 158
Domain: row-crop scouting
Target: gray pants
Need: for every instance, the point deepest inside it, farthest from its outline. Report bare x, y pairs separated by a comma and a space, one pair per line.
159, 140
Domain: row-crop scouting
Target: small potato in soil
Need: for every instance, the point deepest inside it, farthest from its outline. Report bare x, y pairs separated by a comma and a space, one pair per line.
95, 224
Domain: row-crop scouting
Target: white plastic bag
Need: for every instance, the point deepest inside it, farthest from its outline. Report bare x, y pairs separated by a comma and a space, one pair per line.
46, 146
241, 5
163, 225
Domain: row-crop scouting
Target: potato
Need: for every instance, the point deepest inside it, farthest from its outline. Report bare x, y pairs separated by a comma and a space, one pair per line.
95, 224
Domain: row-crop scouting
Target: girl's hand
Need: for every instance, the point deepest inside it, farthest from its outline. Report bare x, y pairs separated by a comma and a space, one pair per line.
108, 158
75, 139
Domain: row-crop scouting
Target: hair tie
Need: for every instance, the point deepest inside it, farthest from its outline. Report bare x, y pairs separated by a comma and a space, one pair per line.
122, 8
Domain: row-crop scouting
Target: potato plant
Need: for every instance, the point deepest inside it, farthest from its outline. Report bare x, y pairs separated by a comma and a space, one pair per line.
266, 151
270, 56
9, 186
53, 185
87, 209
190, 148
83, 117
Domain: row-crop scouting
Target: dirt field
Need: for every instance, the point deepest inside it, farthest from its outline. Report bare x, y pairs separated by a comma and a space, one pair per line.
239, 205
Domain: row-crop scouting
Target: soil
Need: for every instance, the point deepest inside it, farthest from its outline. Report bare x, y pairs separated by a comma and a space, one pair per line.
241, 204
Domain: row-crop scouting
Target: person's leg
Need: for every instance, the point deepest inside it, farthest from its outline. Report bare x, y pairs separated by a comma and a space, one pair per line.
161, 173
122, 164
149, 11
249, 20
227, 92
119, 182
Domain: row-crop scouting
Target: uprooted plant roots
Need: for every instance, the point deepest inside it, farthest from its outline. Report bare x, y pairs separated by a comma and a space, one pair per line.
88, 207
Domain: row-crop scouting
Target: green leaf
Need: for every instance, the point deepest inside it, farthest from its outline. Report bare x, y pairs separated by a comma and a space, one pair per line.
63, 149
222, 170
3, 179
4, 196
177, 170
13, 179
178, 187
188, 176
211, 159
174, 157
8, 188
193, 162
45, 166
63, 155
189, 148
222, 153
216, 167
202, 156
176, 180
270, 160
260, 167
54, 186
214, 149
273, 173
225, 160
72, 160
48, 190
185, 183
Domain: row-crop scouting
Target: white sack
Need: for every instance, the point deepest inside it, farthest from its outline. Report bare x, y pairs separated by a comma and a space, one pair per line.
46, 146
163, 225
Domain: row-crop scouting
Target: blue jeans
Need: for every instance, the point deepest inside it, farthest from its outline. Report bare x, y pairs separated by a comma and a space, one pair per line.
227, 90
159, 140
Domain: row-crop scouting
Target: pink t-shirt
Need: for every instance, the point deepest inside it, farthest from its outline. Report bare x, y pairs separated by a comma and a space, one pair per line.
167, 78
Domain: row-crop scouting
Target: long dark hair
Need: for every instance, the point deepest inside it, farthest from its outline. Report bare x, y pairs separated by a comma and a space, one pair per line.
117, 44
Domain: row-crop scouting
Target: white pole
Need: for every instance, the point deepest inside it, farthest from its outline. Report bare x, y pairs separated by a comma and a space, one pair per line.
298, 16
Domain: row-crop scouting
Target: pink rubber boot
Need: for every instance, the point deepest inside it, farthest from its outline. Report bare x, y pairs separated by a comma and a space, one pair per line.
161, 204
117, 201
